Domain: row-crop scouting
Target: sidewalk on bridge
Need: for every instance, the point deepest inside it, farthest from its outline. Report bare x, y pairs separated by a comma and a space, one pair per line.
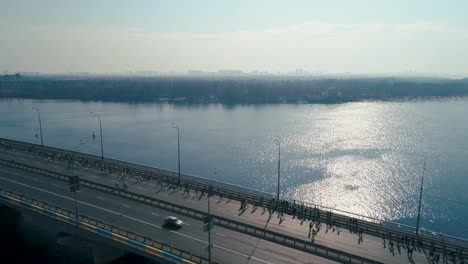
371, 247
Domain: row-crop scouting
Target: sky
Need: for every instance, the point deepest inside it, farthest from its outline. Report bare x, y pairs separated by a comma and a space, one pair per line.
333, 36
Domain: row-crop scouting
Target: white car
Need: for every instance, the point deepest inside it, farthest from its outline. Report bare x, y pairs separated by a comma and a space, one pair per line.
173, 221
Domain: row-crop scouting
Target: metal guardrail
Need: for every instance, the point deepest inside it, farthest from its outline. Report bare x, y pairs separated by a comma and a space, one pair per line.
120, 235
388, 230
198, 183
262, 233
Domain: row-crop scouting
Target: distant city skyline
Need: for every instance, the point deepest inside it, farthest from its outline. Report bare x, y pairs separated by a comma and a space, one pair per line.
318, 37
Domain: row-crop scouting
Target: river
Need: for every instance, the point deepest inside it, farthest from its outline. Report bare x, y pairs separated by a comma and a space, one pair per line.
362, 157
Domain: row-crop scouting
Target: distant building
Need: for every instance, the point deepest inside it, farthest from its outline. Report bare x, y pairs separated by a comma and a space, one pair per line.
195, 72
231, 72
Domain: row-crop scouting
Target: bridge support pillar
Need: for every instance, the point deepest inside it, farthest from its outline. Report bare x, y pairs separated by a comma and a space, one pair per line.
11, 221
71, 241
103, 254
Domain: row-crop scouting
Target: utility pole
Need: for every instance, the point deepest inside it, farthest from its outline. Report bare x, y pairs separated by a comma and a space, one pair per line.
420, 199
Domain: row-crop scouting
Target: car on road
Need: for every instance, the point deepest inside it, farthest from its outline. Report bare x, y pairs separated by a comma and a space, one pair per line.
173, 221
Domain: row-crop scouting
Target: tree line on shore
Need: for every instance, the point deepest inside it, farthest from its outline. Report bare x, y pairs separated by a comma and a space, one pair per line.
229, 90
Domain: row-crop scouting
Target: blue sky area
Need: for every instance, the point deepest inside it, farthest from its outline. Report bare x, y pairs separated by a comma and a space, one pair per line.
219, 15
216, 34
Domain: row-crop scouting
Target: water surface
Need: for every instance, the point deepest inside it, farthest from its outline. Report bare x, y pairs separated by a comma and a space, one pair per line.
363, 157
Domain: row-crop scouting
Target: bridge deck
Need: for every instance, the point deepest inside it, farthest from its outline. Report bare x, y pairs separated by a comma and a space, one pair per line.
371, 247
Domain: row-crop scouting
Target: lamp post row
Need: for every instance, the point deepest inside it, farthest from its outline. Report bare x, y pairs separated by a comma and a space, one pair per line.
95, 114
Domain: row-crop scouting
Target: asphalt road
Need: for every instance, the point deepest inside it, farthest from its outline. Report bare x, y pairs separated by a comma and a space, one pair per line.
229, 246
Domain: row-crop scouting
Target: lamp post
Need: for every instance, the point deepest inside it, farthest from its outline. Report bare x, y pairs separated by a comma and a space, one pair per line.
40, 124
210, 225
174, 125
74, 181
100, 131
278, 143
420, 199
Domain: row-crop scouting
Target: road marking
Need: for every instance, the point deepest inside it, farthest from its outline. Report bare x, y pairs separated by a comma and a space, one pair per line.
94, 176
155, 214
99, 197
303, 260
220, 234
134, 219
126, 205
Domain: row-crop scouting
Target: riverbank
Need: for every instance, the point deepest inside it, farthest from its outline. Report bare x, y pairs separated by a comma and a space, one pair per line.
228, 90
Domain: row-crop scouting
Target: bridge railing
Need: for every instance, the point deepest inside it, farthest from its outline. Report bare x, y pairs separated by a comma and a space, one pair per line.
118, 234
197, 183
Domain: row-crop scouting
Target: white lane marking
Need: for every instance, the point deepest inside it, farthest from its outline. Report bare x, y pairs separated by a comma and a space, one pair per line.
94, 176
99, 197
220, 234
126, 205
303, 260
155, 214
134, 219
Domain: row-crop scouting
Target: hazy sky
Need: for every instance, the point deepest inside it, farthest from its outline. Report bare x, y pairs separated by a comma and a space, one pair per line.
327, 36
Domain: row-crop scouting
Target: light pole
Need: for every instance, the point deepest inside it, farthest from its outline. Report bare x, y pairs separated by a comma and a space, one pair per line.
74, 181
210, 218
420, 199
278, 143
40, 124
100, 131
178, 147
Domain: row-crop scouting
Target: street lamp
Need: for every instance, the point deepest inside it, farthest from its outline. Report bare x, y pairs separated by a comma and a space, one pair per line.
74, 181
420, 199
40, 124
174, 125
100, 130
210, 224
278, 143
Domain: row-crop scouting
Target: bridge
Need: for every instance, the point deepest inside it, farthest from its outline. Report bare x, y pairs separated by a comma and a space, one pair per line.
120, 206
